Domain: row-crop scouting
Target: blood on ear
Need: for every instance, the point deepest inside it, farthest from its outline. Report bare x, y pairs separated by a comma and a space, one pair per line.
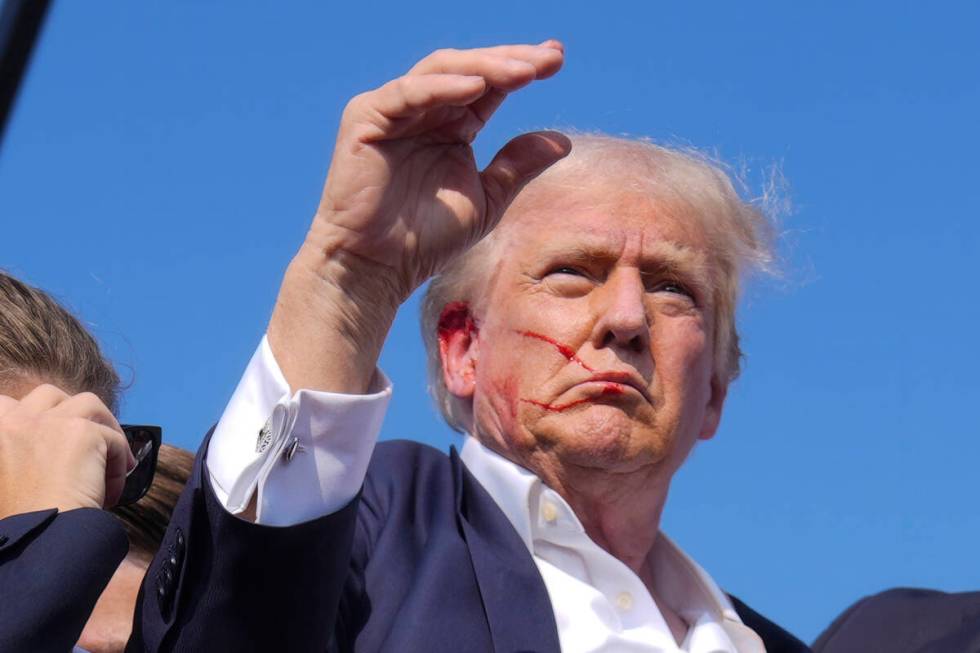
457, 328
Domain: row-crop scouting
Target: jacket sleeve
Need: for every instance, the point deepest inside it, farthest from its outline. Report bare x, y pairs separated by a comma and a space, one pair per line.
220, 583
53, 567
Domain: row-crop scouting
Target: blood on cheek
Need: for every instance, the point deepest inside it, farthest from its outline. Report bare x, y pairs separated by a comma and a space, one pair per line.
563, 349
456, 319
569, 354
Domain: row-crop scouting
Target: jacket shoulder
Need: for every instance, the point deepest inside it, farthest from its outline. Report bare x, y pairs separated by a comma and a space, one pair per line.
901, 618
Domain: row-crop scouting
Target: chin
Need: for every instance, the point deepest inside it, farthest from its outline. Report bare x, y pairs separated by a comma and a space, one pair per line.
605, 437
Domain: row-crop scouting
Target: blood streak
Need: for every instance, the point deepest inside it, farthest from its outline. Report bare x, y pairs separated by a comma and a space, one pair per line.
564, 350
607, 389
456, 318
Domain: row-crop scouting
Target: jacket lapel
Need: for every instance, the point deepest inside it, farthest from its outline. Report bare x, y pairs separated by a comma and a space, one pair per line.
514, 596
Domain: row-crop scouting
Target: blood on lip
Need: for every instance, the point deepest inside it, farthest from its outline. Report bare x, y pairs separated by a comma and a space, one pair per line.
610, 388
607, 389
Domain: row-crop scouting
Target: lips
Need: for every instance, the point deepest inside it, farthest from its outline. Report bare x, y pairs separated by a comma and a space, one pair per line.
621, 378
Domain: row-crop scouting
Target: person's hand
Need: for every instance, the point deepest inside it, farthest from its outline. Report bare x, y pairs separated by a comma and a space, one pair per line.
404, 194
60, 451
402, 198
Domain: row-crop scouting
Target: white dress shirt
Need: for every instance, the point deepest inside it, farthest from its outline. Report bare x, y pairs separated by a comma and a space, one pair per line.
600, 604
306, 455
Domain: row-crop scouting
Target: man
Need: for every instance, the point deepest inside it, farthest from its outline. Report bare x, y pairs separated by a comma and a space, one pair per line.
906, 620
63, 456
61, 460
584, 347
111, 620
65, 575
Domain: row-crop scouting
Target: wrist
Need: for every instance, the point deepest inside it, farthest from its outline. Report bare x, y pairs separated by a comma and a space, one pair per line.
332, 316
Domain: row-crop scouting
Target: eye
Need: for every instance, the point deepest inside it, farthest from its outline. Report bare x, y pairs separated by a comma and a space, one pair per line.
568, 281
673, 287
564, 269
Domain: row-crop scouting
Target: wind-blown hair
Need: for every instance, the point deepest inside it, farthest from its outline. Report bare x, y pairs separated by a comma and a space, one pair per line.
687, 183
40, 341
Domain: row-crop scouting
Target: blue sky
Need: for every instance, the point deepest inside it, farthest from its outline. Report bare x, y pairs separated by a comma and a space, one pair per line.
165, 158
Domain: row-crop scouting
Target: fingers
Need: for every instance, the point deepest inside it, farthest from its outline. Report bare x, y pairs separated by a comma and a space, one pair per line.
517, 163
415, 94
43, 397
486, 105
90, 407
98, 422
455, 78
119, 460
506, 67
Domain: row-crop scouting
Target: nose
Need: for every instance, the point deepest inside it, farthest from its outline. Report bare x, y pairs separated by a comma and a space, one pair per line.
620, 306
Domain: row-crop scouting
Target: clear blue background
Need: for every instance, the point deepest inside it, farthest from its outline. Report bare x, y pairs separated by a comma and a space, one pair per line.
165, 158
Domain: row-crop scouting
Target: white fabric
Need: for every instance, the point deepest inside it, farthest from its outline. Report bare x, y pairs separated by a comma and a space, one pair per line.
335, 434
600, 604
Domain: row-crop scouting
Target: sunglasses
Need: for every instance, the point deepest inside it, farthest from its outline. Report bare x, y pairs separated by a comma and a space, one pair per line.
144, 442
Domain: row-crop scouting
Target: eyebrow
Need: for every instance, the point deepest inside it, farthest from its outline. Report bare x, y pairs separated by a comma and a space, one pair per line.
664, 257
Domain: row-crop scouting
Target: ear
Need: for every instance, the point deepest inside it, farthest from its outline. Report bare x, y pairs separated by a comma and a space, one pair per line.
459, 348
712, 413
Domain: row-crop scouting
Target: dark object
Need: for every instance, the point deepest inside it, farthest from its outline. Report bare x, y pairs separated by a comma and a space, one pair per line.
221, 583
144, 442
20, 24
435, 566
906, 620
53, 568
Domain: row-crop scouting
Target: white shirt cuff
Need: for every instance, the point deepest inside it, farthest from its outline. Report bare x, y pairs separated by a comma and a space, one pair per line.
306, 454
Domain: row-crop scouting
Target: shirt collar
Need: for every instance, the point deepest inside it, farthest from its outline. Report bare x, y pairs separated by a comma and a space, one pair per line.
509, 484
518, 492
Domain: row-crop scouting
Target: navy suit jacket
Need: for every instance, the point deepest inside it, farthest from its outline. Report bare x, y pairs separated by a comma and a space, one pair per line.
53, 567
423, 560
906, 621
241, 586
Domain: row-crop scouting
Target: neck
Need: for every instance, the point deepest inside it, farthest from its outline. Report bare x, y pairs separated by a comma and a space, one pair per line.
619, 511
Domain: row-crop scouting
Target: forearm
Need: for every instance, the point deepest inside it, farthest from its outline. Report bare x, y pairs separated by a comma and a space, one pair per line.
331, 319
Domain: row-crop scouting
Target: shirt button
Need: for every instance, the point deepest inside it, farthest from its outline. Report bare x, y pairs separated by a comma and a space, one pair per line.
624, 601
549, 512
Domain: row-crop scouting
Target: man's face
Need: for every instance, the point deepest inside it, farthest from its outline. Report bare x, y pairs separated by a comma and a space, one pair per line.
595, 344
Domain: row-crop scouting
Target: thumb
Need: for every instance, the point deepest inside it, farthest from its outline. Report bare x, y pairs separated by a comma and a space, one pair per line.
516, 164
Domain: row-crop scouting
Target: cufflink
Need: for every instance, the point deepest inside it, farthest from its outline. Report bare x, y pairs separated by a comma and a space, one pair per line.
265, 437
291, 449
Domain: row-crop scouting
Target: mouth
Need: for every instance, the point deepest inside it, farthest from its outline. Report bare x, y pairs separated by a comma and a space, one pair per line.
620, 381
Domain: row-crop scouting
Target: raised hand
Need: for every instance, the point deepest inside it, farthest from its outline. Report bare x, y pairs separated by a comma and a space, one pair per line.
59, 451
402, 198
